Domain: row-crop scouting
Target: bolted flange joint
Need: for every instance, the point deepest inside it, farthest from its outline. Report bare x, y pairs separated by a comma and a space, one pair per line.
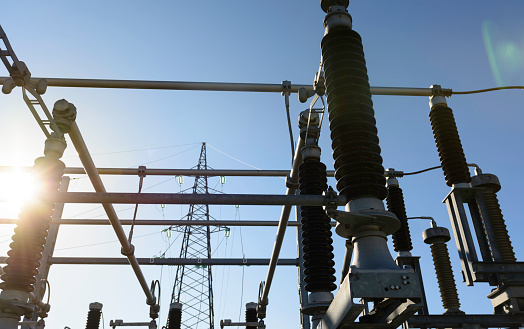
64, 114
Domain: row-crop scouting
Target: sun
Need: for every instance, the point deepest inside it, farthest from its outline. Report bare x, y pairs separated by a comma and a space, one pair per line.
17, 187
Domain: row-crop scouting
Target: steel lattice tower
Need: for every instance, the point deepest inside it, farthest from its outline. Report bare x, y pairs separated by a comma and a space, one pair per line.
193, 284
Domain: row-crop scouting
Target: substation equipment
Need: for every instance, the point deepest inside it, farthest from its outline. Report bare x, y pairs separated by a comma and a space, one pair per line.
375, 290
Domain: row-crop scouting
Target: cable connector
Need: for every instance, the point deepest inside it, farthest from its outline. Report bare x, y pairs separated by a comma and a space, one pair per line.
142, 171
392, 173
437, 90
319, 83
286, 87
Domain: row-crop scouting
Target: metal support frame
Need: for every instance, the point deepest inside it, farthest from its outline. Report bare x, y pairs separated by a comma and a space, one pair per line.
461, 321
461, 231
127, 248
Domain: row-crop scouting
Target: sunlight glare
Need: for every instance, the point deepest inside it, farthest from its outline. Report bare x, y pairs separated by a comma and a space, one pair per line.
16, 189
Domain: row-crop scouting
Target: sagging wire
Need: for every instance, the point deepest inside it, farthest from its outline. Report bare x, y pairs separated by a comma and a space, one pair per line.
486, 90
401, 173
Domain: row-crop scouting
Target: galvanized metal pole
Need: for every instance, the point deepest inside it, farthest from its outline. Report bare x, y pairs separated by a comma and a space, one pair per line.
127, 248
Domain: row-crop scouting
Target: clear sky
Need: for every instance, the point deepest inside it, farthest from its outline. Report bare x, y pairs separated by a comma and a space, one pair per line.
462, 45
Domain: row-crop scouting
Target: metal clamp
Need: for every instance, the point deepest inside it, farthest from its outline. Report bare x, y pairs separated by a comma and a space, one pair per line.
286, 87
142, 171
290, 184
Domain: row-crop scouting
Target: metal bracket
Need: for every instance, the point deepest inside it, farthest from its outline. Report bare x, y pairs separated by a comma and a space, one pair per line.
398, 290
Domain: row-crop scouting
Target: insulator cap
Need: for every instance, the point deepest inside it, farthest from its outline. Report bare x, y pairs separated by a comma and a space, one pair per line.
436, 235
486, 180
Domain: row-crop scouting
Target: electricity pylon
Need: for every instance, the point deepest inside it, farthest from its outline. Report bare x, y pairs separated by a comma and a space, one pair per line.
193, 284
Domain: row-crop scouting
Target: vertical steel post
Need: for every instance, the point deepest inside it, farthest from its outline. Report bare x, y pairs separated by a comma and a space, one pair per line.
302, 293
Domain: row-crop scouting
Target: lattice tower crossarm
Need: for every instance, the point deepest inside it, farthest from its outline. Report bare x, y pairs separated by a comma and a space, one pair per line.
193, 284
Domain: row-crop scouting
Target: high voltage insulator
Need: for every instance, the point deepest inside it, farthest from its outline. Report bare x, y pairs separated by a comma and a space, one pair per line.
93, 316
498, 225
33, 224
437, 238
316, 228
395, 202
448, 143
356, 152
174, 318
251, 314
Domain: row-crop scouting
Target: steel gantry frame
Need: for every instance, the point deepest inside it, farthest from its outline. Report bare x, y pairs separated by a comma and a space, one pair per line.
342, 308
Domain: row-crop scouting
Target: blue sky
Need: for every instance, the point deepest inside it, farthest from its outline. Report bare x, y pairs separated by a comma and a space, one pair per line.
407, 44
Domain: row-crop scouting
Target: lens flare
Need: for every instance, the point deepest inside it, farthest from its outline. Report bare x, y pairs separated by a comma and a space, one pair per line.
505, 54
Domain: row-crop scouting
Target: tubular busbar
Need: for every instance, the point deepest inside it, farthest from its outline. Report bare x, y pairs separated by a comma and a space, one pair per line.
173, 198
87, 162
165, 261
166, 222
209, 86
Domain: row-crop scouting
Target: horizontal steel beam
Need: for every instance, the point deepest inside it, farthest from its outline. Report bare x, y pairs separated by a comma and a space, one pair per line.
458, 321
498, 267
166, 222
170, 172
210, 86
210, 199
165, 261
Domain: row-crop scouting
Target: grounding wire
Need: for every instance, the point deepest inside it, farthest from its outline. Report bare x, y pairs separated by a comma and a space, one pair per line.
485, 90
286, 97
